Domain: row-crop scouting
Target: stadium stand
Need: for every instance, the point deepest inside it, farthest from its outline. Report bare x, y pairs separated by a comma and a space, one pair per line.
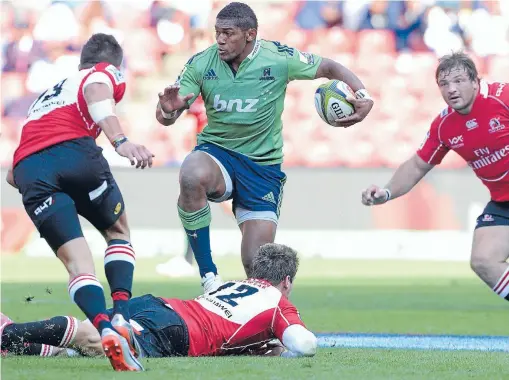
392, 45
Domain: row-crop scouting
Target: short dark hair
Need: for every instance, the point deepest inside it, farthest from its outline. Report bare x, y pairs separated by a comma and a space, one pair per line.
457, 60
101, 48
273, 262
241, 13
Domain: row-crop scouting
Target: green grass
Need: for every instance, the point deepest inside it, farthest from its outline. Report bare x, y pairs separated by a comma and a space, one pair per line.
332, 296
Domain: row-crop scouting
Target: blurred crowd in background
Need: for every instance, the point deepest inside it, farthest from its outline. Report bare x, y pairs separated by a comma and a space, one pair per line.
392, 45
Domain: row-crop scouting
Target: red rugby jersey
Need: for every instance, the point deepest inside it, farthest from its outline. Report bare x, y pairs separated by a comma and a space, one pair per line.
239, 315
61, 113
481, 138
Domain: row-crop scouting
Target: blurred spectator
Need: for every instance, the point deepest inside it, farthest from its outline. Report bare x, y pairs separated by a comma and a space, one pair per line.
41, 40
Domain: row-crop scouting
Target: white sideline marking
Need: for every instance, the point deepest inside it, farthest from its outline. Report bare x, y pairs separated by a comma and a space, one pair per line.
415, 342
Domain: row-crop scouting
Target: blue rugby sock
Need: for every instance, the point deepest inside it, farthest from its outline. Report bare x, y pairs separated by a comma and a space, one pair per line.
196, 225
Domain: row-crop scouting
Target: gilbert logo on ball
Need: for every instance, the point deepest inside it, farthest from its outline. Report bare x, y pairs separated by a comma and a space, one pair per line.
331, 103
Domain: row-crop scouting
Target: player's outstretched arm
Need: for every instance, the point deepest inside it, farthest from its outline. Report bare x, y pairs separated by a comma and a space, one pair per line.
362, 102
171, 105
100, 104
404, 179
299, 341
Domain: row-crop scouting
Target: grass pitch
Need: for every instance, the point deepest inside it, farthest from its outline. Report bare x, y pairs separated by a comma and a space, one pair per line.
332, 296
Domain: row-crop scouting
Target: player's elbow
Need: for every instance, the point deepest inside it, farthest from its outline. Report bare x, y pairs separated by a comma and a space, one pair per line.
422, 166
308, 345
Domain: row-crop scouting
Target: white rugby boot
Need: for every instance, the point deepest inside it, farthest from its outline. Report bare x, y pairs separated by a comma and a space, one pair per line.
211, 282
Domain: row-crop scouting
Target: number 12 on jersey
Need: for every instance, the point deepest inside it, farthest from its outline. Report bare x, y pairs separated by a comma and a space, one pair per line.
241, 291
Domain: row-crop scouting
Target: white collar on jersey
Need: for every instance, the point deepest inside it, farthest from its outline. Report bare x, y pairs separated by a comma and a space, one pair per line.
256, 49
483, 88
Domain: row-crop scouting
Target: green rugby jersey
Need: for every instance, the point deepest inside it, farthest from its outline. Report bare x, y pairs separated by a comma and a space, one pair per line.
244, 108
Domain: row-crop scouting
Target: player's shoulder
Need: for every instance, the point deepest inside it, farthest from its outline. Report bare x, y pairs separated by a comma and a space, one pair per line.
203, 57
108, 68
275, 48
498, 89
441, 117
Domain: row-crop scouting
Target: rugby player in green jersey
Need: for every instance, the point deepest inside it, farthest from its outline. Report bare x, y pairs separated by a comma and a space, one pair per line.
243, 81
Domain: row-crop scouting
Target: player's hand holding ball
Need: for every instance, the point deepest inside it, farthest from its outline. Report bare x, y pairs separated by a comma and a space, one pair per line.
338, 106
171, 101
375, 195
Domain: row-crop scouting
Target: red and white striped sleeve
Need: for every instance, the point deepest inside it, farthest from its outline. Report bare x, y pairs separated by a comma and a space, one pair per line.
432, 149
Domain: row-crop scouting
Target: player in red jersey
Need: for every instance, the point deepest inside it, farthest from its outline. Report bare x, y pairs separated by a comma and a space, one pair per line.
61, 172
476, 126
240, 317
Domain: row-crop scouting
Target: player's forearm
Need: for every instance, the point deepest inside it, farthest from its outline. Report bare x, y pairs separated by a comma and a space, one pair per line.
299, 341
407, 176
10, 178
333, 70
112, 129
166, 119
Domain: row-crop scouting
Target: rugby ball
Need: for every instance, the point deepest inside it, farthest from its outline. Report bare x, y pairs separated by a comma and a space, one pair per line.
330, 101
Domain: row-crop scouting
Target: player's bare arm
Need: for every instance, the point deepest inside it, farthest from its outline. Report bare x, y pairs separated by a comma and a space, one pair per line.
100, 103
408, 174
10, 178
362, 102
171, 105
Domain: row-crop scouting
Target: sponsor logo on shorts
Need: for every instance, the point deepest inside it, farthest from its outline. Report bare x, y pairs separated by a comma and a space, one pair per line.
488, 218
471, 124
44, 205
269, 197
495, 125
118, 207
194, 235
456, 142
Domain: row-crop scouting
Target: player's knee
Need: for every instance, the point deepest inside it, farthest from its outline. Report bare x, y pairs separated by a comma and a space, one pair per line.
193, 179
119, 230
480, 265
88, 340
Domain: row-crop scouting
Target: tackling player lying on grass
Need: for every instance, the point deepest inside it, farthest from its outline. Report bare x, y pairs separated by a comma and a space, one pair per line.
475, 125
238, 318
243, 82
60, 172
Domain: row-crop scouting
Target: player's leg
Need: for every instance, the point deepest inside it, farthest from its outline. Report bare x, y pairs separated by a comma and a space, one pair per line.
202, 176
51, 337
490, 248
255, 233
257, 201
54, 214
99, 200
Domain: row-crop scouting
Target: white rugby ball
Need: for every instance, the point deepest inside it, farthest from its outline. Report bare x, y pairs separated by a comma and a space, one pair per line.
331, 103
